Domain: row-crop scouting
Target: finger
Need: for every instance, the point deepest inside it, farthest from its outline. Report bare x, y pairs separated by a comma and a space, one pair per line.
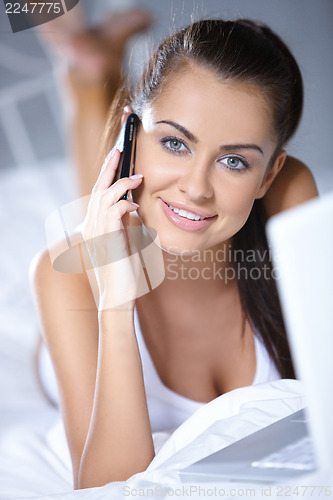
110, 240
121, 208
108, 170
118, 189
102, 201
113, 217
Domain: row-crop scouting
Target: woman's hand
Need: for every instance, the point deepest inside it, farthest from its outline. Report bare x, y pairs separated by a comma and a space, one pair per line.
115, 274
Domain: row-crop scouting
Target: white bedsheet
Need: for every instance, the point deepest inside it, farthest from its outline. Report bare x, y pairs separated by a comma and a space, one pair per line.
34, 459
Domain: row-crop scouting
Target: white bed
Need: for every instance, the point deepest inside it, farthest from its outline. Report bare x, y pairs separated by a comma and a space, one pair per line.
34, 460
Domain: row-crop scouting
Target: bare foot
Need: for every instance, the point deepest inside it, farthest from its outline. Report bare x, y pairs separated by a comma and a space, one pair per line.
97, 53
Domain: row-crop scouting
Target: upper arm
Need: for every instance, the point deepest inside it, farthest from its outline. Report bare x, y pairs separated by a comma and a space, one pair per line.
293, 185
69, 325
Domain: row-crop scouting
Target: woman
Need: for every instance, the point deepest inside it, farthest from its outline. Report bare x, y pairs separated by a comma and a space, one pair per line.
217, 104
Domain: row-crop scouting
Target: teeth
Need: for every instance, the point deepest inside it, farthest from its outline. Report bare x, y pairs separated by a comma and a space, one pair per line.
186, 214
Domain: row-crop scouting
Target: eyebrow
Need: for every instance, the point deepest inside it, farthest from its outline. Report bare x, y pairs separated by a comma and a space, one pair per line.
225, 147
233, 147
181, 129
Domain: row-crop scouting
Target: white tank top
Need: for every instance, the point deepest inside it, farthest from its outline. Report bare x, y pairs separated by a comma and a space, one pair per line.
167, 409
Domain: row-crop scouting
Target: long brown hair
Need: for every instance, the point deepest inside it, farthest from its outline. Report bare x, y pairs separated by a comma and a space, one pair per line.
240, 51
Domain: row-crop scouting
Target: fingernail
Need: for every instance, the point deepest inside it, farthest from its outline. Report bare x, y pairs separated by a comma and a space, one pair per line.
135, 204
109, 156
112, 153
136, 176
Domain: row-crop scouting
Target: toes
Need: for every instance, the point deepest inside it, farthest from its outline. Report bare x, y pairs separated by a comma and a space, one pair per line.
123, 25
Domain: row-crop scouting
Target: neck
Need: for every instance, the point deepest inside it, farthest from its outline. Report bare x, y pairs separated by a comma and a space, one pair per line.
205, 271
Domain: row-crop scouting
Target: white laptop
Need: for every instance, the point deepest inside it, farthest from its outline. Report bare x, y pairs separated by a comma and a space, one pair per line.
302, 247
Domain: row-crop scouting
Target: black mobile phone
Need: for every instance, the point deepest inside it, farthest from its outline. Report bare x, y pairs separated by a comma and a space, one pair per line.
126, 143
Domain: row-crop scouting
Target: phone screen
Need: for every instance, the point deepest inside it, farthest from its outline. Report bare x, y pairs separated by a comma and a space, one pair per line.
126, 143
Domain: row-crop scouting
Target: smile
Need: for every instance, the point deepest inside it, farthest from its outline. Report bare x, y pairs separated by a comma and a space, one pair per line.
185, 213
185, 219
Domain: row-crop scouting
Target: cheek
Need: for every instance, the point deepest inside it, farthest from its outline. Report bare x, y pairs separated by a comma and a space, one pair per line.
237, 197
147, 164
153, 183
157, 170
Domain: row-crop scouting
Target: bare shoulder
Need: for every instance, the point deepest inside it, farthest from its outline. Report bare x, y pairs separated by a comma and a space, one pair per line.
293, 185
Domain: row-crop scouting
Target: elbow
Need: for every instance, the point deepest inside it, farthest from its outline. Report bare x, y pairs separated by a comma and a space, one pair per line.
86, 481
94, 476
93, 481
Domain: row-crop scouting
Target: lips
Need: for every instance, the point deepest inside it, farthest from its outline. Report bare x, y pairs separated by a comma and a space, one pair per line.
186, 214
186, 217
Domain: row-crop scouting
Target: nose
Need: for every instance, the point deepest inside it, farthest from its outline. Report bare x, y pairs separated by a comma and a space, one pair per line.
195, 183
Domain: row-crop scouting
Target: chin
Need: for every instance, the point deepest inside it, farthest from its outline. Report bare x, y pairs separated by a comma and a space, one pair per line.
172, 245
180, 246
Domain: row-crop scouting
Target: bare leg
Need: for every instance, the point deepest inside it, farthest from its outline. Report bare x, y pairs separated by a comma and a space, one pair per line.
90, 101
94, 57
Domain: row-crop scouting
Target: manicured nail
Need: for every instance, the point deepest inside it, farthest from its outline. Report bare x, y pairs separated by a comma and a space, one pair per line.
109, 156
136, 176
135, 204
113, 152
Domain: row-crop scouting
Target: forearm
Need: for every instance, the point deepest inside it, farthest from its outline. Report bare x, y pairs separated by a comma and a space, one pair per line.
119, 442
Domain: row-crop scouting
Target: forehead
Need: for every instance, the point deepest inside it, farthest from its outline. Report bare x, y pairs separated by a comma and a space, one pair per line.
197, 99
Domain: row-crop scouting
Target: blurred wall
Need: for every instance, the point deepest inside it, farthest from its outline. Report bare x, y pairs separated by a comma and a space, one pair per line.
32, 129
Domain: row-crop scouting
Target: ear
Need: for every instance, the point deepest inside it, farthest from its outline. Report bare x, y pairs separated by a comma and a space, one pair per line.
126, 112
271, 174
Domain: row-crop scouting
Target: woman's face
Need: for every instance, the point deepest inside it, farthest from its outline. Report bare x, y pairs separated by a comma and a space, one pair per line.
203, 149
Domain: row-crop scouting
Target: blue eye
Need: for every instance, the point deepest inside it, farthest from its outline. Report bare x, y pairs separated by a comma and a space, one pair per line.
174, 145
234, 163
